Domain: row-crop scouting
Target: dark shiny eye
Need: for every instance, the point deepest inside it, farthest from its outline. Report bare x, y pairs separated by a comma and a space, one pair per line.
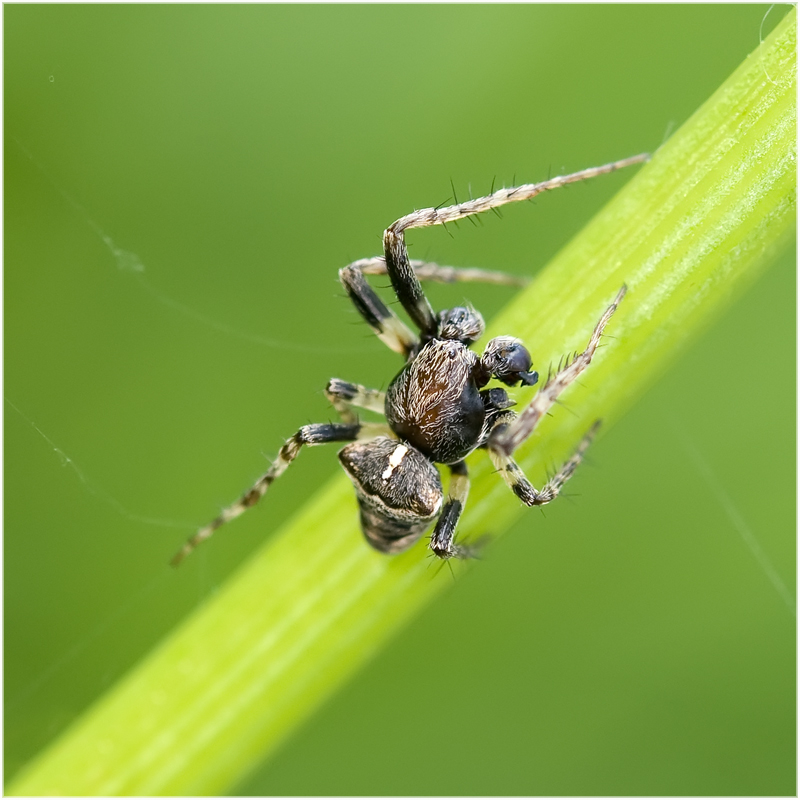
460, 324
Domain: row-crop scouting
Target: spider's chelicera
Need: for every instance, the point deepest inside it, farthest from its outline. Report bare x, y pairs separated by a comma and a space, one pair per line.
439, 408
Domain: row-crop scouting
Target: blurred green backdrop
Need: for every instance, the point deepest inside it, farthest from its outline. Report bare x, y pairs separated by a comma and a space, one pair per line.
628, 642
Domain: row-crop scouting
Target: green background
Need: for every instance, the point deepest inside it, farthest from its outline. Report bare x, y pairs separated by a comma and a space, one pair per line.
628, 642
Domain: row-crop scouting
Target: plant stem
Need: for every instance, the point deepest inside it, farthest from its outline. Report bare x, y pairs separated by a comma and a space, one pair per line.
694, 227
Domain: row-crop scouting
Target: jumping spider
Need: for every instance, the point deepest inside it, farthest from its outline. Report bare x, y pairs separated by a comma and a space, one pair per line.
437, 409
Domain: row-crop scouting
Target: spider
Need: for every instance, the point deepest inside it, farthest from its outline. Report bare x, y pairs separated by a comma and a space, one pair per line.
438, 408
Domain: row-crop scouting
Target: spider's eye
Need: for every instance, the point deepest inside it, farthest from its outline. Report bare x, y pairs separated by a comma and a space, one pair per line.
461, 324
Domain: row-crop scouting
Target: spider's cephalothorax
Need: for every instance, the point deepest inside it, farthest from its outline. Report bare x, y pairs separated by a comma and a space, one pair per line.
439, 407
435, 402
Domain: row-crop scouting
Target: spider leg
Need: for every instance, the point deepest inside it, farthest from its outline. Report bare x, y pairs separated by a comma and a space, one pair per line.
505, 439
430, 271
307, 435
390, 329
426, 217
518, 482
444, 532
344, 396
406, 284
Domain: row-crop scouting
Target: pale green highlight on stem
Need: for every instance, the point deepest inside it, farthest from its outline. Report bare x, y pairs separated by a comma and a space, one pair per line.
695, 226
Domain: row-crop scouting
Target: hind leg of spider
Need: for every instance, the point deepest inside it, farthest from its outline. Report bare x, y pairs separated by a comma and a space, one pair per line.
307, 435
442, 540
505, 439
430, 271
344, 397
390, 329
519, 484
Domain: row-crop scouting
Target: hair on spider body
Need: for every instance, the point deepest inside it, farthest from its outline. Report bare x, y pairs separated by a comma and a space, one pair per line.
399, 491
438, 408
434, 403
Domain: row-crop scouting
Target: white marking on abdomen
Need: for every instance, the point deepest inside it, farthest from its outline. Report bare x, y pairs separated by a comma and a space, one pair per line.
394, 461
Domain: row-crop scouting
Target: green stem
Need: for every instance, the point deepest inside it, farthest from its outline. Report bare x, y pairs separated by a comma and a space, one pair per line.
696, 225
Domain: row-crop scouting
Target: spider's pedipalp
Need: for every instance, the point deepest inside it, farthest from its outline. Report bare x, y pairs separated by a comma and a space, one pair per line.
508, 360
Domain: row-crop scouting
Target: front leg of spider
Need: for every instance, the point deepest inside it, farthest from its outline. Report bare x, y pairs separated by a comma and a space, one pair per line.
510, 431
438, 408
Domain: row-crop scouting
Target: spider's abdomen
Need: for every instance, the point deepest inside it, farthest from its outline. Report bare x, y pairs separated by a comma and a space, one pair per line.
434, 403
399, 491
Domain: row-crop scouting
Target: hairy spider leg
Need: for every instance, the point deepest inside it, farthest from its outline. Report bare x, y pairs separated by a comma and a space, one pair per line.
310, 435
518, 482
510, 430
431, 271
442, 538
344, 397
405, 282
390, 329
505, 440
